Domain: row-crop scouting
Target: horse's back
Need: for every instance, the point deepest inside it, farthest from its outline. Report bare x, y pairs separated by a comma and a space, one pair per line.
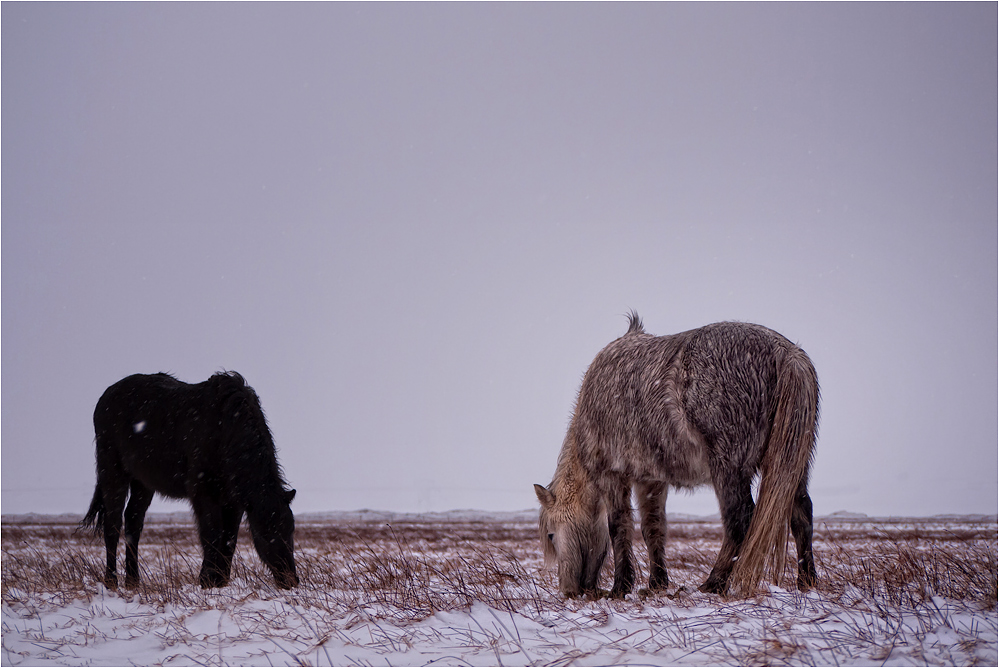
732, 366
731, 371
128, 400
654, 406
140, 424
627, 418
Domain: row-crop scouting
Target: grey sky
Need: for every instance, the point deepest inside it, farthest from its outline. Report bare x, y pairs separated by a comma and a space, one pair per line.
412, 227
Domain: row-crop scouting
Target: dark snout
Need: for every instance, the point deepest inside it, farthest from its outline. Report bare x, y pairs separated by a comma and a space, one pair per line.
578, 583
283, 568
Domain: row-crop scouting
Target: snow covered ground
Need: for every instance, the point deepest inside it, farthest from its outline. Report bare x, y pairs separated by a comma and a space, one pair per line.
467, 588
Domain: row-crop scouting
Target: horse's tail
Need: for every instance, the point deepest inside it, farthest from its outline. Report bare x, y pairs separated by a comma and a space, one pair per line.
784, 469
94, 519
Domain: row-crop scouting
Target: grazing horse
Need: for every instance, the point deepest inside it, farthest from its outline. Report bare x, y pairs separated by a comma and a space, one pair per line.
712, 406
207, 442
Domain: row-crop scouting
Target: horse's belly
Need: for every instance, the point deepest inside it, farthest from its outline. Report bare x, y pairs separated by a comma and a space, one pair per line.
159, 471
683, 457
689, 473
173, 486
679, 462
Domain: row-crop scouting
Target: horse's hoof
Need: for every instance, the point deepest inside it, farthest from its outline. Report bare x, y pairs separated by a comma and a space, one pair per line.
594, 595
651, 591
656, 586
131, 581
714, 587
286, 580
212, 581
111, 581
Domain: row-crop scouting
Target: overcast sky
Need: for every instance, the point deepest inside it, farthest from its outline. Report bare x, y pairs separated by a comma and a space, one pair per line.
412, 227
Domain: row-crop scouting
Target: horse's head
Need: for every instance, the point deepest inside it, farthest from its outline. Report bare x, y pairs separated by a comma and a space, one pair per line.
574, 536
273, 527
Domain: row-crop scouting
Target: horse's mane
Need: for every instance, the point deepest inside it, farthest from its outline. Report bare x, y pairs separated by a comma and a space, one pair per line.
635, 325
235, 376
234, 390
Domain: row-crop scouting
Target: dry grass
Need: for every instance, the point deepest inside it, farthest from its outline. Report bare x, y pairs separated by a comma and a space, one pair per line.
428, 566
407, 570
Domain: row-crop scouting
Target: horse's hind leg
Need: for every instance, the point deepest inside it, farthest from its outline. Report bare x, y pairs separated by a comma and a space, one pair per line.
652, 508
735, 497
801, 528
113, 482
135, 514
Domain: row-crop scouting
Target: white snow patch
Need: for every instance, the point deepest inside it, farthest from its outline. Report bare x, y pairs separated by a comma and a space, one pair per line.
113, 629
249, 623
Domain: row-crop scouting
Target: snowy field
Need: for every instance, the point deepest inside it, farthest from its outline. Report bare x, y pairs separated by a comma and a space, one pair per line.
468, 588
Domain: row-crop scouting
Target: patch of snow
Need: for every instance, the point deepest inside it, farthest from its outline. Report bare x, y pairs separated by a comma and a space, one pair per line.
250, 624
113, 629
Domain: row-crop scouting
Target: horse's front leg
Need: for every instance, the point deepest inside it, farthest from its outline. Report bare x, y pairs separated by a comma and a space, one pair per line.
621, 524
210, 530
652, 510
231, 518
135, 514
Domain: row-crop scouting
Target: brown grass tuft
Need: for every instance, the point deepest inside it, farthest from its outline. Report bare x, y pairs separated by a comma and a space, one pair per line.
371, 573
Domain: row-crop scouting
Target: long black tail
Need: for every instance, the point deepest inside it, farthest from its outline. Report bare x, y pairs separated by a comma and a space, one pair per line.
95, 516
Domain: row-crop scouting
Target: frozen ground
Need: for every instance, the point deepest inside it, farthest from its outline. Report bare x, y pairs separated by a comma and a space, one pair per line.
467, 588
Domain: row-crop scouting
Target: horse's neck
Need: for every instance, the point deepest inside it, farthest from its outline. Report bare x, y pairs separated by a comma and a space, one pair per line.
571, 479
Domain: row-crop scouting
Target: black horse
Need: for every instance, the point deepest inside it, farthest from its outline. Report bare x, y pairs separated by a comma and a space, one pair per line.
208, 442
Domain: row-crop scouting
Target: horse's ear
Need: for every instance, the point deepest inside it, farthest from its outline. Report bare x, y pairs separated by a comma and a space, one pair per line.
545, 496
289, 494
